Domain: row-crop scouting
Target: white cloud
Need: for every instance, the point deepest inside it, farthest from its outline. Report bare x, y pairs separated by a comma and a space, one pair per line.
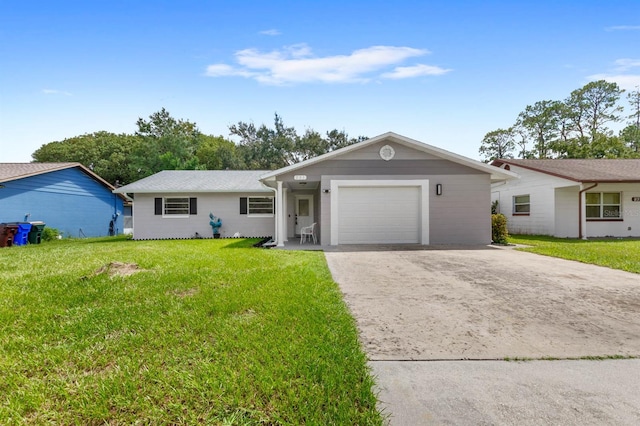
623, 28
55, 92
619, 74
298, 64
625, 81
414, 71
626, 64
271, 32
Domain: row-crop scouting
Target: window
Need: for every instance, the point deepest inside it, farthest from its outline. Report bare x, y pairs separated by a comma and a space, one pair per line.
521, 205
260, 205
257, 206
176, 206
603, 205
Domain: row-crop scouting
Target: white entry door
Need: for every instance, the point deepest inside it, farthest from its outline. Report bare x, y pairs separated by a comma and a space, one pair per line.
304, 211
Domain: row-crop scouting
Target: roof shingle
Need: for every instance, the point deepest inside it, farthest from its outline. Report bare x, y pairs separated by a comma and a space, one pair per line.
13, 171
583, 170
199, 181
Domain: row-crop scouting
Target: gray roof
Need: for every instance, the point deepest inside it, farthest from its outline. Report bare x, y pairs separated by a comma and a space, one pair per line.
583, 170
13, 171
194, 181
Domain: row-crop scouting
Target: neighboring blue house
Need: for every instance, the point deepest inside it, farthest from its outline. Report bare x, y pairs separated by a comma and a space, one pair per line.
66, 196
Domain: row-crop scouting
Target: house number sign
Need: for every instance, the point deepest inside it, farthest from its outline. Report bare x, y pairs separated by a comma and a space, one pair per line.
635, 198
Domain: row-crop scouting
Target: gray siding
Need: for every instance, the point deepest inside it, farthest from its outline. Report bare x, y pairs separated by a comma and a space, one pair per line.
381, 169
147, 225
372, 152
461, 215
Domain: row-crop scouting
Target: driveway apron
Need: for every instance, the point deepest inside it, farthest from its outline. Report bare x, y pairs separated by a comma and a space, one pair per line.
418, 311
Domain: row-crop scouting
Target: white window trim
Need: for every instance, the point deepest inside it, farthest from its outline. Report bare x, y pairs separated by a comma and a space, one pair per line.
273, 206
514, 204
175, 216
602, 204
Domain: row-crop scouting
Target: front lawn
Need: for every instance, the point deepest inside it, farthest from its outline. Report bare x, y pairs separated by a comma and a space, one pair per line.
207, 332
621, 254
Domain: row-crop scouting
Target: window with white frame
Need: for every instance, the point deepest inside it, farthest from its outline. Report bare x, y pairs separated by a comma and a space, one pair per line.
603, 205
260, 205
176, 206
521, 204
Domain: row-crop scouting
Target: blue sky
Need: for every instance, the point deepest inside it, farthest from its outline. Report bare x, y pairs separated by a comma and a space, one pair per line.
442, 72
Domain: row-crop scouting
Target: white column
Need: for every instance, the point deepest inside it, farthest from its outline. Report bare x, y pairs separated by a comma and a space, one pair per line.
279, 216
285, 232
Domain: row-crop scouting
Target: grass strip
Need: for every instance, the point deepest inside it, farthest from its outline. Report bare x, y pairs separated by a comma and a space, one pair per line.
623, 254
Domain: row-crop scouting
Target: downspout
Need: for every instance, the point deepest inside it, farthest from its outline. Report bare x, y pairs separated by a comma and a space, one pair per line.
580, 209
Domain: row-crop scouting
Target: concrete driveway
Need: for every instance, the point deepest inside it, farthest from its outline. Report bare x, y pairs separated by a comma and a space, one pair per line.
414, 307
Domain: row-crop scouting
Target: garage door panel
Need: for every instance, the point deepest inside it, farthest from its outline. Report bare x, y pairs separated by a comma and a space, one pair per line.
369, 215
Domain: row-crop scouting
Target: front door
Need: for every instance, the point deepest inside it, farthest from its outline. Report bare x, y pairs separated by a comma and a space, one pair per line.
304, 211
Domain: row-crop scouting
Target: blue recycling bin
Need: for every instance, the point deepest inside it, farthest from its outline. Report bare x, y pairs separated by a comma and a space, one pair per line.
21, 238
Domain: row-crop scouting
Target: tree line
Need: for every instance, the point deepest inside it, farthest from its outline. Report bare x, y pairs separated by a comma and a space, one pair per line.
163, 142
577, 127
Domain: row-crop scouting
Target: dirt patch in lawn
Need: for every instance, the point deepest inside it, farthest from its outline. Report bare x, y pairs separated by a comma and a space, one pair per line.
116, 269
487, 304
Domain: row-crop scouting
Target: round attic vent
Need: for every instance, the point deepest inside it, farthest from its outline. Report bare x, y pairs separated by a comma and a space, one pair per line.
387, 153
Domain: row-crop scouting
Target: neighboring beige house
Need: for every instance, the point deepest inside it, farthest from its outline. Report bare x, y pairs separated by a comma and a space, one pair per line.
384, 190
571, 198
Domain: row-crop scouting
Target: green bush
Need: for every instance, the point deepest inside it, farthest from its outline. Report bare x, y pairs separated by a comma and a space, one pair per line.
50, 234
499, 233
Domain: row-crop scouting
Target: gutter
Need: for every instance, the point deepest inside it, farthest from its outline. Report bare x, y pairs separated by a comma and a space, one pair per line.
580, 209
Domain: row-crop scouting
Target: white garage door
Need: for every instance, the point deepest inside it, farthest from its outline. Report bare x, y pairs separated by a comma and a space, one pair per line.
379, 215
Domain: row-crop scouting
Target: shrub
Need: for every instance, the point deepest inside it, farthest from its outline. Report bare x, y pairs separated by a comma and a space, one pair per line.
499, 233
50, 234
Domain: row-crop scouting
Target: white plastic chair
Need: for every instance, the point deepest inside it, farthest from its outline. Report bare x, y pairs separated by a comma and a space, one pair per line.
308, 231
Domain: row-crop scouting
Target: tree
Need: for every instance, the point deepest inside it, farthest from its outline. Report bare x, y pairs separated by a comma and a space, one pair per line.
630, 135
107, 154
166, 144
608, 147
271, 148
540, 122
634, 101
262, 147
592, 106
498, 144
217, 153
575, 128
310, 145
337, 139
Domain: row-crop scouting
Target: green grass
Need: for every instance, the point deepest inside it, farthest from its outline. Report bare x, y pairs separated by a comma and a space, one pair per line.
212, 331
621, 254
